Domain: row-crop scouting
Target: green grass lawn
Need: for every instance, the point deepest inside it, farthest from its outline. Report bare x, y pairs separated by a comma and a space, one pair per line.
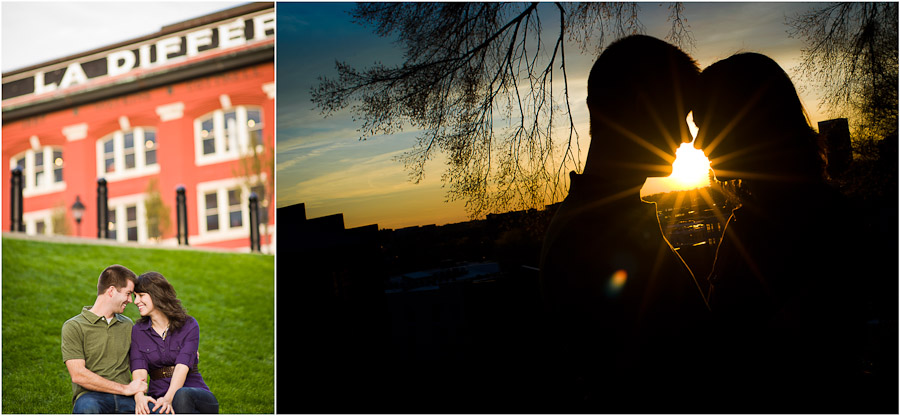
232, 296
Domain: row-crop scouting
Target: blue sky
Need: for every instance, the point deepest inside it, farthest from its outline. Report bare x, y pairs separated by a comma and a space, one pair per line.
322, 163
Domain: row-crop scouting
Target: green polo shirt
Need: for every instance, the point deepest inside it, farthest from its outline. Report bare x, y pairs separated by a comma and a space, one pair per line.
103, 346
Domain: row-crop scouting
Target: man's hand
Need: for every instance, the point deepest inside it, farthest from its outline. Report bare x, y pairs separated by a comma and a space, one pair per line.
136, 386
91, 381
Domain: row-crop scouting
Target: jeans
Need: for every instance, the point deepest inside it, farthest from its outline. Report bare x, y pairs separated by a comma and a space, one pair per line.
96, 402
194, 400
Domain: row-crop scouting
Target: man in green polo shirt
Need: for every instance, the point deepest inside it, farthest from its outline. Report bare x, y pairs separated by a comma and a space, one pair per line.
95, 347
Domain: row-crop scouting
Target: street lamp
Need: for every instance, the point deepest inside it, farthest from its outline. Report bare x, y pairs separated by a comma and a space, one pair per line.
78, 213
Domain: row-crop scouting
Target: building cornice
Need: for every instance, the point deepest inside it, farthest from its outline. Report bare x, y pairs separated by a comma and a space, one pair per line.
185, 73
164, 31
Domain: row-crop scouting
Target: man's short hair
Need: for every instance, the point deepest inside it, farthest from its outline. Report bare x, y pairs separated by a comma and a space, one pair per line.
116, 276
639, 70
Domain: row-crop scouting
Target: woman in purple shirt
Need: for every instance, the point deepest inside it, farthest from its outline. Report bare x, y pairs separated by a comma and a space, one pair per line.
164, 345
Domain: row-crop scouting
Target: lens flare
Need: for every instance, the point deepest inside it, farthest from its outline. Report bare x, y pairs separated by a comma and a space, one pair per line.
616, 282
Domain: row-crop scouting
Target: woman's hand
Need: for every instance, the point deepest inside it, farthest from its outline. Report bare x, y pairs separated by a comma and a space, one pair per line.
140, 404
164, 404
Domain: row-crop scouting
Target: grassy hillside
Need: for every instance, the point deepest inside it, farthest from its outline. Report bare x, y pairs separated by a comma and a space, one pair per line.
232, 296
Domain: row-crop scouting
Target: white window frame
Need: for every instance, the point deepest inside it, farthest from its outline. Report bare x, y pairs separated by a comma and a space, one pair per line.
226, 148
30, 187
141, 168
225, 231
120, 204
30, 220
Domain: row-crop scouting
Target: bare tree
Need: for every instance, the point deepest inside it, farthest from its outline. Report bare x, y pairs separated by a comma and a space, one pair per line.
256, 171
487, 85
851, 55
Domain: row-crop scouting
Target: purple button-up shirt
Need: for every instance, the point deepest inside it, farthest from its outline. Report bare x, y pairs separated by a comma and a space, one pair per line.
149, 351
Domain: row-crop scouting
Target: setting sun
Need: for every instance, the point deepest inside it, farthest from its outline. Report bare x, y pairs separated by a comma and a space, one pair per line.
690, 169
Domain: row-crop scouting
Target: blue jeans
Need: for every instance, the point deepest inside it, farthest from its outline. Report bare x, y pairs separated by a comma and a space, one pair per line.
194, 400
96, 402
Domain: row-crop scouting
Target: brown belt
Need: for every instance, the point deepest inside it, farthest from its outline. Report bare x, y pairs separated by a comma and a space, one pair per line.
166, 372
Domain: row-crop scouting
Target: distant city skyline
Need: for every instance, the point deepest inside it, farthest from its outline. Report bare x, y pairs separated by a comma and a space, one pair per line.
322, 163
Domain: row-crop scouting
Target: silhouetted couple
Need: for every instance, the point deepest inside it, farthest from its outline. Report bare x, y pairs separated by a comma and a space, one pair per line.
770, 329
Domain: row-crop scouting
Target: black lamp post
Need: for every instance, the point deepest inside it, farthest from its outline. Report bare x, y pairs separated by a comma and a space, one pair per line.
78, 213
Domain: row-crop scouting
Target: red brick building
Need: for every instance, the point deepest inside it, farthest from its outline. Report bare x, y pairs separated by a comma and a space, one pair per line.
192, 105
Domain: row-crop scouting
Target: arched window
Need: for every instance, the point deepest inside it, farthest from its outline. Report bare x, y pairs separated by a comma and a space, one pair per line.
227, 134
42, 170
127, 153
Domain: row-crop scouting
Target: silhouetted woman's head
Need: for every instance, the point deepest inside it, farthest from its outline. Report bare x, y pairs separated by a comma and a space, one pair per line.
752, 122
163, 296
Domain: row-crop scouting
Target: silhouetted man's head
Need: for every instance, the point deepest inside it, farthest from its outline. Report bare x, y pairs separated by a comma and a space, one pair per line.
639, 88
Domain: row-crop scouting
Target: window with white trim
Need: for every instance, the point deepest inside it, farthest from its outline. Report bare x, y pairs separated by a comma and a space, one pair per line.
235, 216
131, 223
41, 227
223, 210
227, 134
38, 222
127, 219
111, 224
212, 211
127, 154
255, 129
42, 170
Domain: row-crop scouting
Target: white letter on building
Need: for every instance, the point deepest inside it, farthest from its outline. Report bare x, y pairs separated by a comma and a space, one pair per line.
197, 39
144, 51
231, 34
165, 47
261, 24
74, 76
39, 86
112, 63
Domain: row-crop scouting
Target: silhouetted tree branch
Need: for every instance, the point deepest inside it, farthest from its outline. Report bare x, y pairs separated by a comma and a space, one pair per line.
851, 55
487, 86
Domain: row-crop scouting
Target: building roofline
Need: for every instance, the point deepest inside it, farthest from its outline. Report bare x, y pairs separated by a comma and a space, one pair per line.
165, 30
200, 69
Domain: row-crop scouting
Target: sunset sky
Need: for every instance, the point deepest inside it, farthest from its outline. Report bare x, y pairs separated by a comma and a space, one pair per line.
320, 160
322, 163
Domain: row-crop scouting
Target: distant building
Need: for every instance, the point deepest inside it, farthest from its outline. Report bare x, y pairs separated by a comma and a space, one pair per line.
189, 105
834, 142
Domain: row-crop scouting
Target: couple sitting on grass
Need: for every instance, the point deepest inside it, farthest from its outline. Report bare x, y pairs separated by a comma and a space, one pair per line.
100, 346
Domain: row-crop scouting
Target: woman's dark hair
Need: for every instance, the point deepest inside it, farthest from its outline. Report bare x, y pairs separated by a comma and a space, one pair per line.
164, 298
752, 91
